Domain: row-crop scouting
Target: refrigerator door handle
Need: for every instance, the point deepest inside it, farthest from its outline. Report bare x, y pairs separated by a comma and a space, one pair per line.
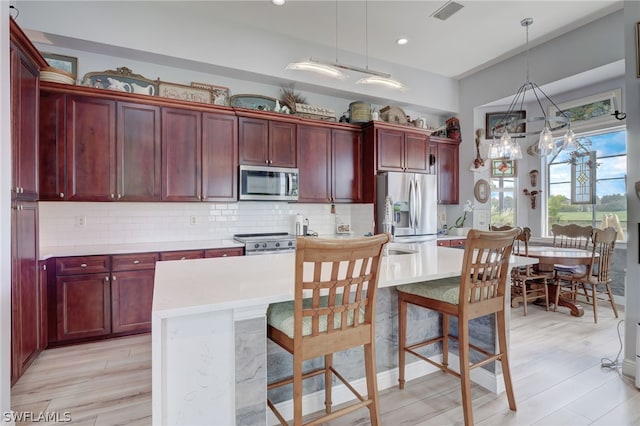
412, 204
418, 213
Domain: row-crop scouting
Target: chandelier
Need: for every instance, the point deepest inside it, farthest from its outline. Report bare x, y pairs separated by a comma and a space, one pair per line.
512, 127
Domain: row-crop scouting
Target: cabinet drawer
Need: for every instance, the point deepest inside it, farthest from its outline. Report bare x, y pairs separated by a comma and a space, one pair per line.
133, 262
444, 243
224, 252
458, 243
82, 265
182, 255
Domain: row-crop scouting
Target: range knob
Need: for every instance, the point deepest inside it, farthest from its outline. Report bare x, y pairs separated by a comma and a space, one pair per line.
256, 245
277, 244
264, 245
290, 244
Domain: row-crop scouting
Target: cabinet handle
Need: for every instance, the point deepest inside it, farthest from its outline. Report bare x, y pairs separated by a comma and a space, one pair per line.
119, 196
113, 278
183, 258
83, 265
44, 267
112, 196
21, 190
106, 278
62, 195
225, 255
135, 262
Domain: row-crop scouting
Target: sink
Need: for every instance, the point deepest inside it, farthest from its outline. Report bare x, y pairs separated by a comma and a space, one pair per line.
398, 252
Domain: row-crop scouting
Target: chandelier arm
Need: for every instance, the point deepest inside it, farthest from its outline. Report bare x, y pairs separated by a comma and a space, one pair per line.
564, 114
503, 123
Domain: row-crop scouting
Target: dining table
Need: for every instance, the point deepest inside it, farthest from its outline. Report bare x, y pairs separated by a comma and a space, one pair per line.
550, 257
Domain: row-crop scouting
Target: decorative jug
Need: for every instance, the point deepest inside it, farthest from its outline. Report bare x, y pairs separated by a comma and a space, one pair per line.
146, 90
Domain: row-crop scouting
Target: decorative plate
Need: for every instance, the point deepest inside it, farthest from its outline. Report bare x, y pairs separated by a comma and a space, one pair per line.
393, 115
263, 103
481, 191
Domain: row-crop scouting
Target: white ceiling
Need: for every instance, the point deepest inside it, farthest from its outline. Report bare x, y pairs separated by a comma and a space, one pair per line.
481, 33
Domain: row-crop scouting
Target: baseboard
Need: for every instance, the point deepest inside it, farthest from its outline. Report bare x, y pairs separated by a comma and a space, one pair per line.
314, 402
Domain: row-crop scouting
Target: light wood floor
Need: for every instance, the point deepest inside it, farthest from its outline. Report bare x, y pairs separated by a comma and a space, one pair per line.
555, 361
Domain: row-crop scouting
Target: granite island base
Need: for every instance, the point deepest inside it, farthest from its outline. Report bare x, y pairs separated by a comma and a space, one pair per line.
210, 359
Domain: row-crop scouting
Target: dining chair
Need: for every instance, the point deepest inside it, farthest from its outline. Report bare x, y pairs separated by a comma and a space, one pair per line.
526, 282
594, 286
480, 291
570, 236
333, 310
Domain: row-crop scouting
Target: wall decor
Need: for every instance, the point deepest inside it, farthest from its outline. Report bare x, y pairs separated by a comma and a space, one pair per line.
263, 103
482, 191
503, 168
533, 195
590, 111
220, 94
63, 62
183, 92
121, 79
533, 177
493, 119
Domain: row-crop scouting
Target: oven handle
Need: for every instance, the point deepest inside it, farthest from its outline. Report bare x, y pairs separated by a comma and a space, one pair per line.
289, 184
257, 252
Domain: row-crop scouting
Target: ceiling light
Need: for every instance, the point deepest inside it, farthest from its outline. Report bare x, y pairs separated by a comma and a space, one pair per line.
311, 65
513, 127
278, 2
402, 41
382, 81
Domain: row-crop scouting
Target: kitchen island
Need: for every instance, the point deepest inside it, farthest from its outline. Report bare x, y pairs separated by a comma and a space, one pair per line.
209, 330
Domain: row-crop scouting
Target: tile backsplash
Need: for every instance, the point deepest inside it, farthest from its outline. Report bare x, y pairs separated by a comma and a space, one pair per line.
85, 223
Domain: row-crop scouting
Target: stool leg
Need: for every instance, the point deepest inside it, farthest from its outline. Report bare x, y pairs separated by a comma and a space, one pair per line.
523, 285
402, 338
297, 390
372, 384
611, 300
465, 373
328, 382
445, 339
504, 359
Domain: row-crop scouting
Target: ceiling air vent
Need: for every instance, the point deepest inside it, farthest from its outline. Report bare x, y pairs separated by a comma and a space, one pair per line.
446, 10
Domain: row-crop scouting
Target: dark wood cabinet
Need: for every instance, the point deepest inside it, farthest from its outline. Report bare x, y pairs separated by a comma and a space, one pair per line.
181, 255
83, 299
447, 169
199, 156
132, 277
138, 155
224, 252
401, 150
219, 157
28, 317
331, 159
456, 243
266, 142
90, 149
52, 146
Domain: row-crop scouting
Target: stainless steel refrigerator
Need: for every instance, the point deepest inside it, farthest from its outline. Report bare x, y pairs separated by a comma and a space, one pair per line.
407, 205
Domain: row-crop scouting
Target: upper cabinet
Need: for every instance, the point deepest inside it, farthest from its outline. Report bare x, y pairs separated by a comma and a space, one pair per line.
330, 162
397, 149
447, 168
267, 142
84, 156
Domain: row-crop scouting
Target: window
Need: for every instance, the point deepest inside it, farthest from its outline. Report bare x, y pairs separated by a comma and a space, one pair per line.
503, 201
570, 178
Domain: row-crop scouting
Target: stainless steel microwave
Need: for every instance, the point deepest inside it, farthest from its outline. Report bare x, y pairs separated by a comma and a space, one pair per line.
260, 183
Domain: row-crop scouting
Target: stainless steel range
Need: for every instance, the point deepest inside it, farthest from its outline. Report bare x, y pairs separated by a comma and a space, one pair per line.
267, 243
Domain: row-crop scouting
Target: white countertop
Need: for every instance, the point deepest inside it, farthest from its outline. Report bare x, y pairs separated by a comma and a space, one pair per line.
205, 285
96, 249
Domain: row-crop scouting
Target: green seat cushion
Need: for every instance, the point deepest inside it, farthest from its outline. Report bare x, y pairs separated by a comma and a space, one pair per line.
446, 290
280, 316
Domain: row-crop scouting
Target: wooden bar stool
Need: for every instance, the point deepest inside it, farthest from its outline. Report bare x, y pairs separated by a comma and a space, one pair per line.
333, 310
479, 292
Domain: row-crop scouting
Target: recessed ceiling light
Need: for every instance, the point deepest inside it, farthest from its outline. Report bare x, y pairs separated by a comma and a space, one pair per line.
278, 2
402, 41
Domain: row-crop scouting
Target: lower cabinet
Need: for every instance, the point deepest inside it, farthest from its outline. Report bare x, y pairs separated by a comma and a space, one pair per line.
93, 297
456, 243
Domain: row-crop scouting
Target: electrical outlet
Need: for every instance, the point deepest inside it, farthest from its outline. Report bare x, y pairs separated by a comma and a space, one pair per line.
192, 220
443, 218
81, 221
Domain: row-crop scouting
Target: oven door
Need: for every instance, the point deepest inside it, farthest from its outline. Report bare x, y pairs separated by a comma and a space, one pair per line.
260, 183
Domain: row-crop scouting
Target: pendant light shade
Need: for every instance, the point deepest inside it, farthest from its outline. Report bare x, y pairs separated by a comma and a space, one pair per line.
318, 67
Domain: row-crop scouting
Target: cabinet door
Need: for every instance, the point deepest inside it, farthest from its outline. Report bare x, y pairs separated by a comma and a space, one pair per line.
26, 296
83, 306
447, 167
346, 168
181, 155
91, 145
219, 157
24, 117
138, 154
224, 252
132, 300
390, 150
253, 141
314, 152
282, 144
182, 255
416, 151
52, 158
